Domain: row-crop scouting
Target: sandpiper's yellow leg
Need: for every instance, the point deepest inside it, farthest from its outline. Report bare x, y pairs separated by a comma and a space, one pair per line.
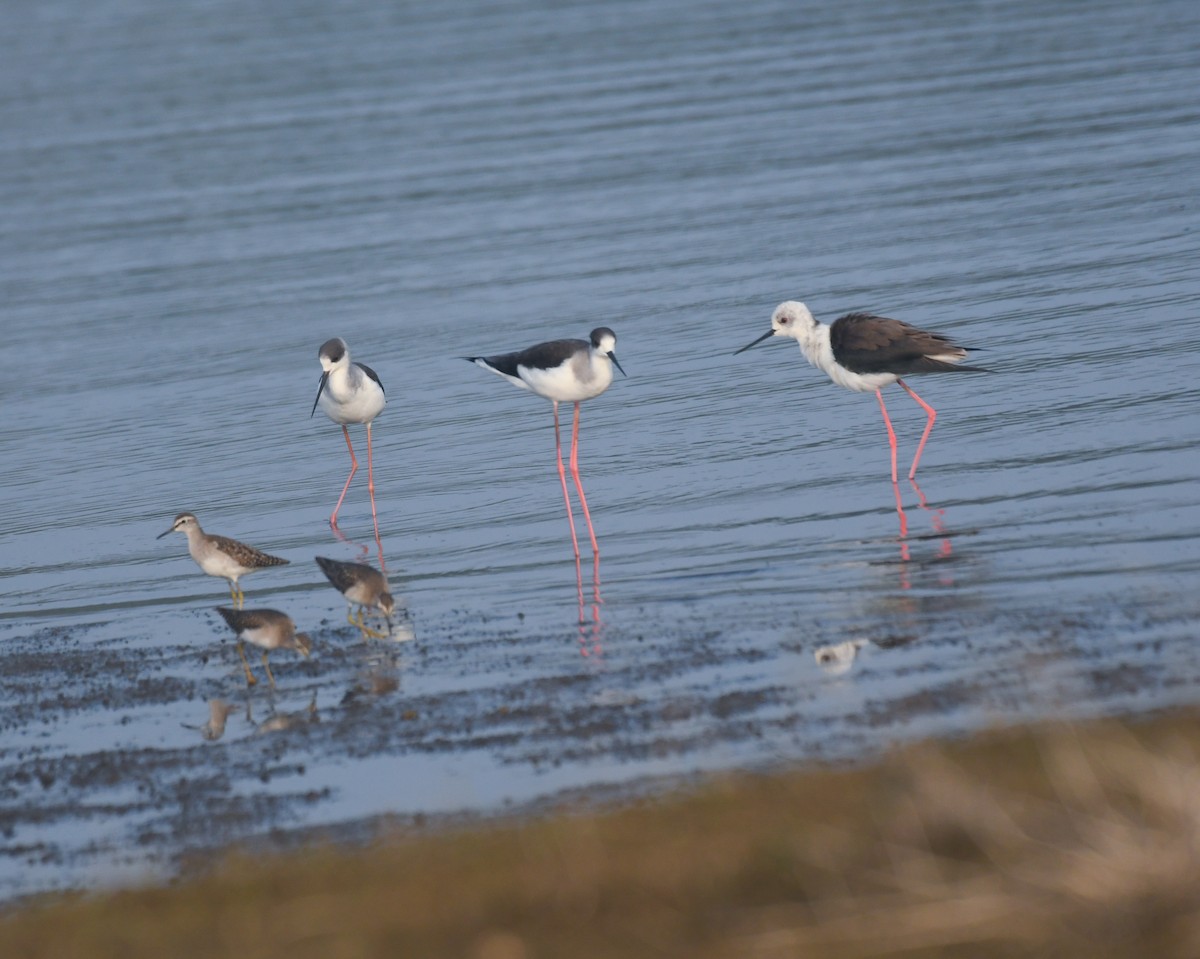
267, 667
374, 633
250, 680
366, 630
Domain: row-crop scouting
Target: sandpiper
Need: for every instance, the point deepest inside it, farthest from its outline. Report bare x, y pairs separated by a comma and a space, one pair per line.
563, 371
349, 393
222, 556
268, 629
363, 586
864, 352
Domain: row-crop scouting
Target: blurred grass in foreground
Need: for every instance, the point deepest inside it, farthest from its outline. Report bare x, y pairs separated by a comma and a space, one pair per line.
1053, 840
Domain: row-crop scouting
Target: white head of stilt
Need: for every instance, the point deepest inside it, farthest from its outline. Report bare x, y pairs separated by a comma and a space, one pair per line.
794, 319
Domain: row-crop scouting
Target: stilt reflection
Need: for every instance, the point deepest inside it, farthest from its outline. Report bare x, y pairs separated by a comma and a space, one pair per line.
590, 632
364, 549
937, 520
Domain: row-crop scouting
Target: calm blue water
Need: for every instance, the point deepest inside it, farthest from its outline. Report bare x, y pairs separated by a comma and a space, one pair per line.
194, 198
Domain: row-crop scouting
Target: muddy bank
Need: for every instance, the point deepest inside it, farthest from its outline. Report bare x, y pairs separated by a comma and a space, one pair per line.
113, 766
1066, 839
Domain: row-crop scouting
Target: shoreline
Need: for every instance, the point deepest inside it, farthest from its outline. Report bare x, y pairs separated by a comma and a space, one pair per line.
1079, 835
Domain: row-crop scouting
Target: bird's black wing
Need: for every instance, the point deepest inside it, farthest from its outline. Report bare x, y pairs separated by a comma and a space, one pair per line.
371, 373
240, 620
340, 574
544, 356
866, 343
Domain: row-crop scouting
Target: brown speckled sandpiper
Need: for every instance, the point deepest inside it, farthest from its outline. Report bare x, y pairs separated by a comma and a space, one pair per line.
222, 556
363, 586
268, 629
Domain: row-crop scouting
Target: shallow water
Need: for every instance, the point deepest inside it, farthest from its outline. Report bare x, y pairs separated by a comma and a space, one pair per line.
192, 202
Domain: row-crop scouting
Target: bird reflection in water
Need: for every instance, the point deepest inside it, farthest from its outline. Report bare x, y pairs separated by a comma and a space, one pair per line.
937, 520
280, 721
379, 676
218, 713
591, 629
364, 549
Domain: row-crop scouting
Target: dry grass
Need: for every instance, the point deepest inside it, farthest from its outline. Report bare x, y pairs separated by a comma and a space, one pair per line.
1059, 840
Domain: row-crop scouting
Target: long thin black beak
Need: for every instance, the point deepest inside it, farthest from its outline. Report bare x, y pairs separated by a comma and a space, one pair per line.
755, 343
167, 533
613, 356
324, 377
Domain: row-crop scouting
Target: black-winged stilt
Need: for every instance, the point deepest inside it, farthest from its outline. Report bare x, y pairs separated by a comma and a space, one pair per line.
865, 353
563, 371
349, 393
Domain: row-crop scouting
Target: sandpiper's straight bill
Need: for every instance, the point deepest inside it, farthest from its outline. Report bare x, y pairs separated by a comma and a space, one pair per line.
220, 555
349, 393
865, 353
268, 629
563, 371
364, 587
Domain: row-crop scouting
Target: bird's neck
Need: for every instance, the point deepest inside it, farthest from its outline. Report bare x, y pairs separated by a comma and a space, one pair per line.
197, 544
598, 364
815, 345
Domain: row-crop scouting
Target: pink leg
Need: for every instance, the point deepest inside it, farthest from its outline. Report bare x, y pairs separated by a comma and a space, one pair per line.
353, 470
371, 490
586, 515
932, 414
578, 484
562, 477
891, 433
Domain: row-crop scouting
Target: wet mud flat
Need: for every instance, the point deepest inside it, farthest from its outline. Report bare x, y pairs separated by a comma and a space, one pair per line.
1065, 838
113, 770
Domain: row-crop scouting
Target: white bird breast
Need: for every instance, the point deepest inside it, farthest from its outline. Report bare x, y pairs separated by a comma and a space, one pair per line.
580, 379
